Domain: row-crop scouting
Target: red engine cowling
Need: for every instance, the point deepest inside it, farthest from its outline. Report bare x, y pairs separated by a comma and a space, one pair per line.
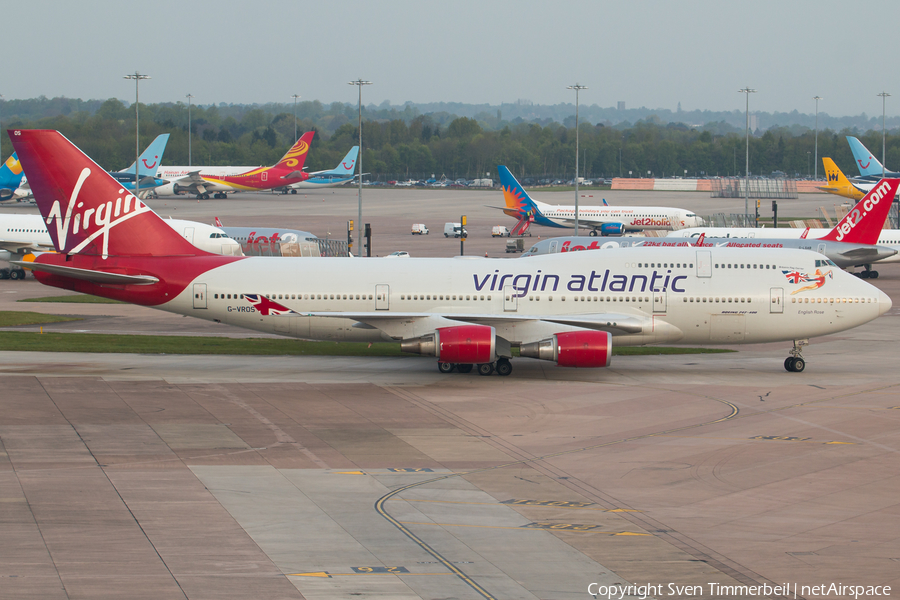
466, 344
587, 349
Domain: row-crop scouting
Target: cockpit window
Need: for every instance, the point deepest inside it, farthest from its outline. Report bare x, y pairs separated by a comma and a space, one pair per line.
825, 263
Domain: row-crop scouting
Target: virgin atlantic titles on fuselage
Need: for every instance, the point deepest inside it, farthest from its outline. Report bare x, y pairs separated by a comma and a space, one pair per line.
569, 309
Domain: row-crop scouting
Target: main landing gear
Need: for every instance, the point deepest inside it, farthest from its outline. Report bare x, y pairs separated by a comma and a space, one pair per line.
868, 273
502, 367
795, 363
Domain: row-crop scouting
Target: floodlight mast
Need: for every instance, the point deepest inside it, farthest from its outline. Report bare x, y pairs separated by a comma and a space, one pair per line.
189, 97
747, 91
577, 87
816, 159
137, 129
359, 225
884, 96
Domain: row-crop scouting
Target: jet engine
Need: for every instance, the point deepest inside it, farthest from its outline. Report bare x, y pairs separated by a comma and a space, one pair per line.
612, 229
464, 344
587, 349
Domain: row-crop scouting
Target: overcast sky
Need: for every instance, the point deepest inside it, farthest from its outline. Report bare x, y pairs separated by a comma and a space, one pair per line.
645, 53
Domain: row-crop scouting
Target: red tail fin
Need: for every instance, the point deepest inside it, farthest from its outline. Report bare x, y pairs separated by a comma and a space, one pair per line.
296, 156
87, 211
864, 222
699, 242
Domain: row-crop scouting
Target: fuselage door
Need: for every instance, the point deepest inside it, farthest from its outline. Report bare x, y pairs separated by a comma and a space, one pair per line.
659, 301
382, 297
704, 263
199, 295
553, 246
820, 249
776, 300
189, 234
510, 299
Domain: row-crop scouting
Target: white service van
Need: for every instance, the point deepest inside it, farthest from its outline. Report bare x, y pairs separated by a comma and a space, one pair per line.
455, 229
419, 229
499, 231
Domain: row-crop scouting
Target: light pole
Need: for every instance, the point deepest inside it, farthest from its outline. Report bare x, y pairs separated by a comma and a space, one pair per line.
359, 83
137, 129
189, 97
883, 95
577, 87
747, 91
816, 160
807, 163
295, 96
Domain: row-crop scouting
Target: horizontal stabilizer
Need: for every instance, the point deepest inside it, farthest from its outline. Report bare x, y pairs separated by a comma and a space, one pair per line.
87, 274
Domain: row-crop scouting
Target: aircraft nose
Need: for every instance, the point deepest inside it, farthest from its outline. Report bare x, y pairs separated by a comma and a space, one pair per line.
884, 302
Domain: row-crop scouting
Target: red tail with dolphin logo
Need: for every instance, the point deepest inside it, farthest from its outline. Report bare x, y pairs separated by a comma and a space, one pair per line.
864, 222
111, 244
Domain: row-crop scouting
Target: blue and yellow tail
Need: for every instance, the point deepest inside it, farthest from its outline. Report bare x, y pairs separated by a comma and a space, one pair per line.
10, 177
519, 204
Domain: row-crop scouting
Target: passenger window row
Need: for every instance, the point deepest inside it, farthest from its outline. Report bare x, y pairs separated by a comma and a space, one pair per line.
440, 297
832, 300
712, 299
743, 266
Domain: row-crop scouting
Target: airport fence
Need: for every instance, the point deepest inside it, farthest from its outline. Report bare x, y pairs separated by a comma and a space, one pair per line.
756, 188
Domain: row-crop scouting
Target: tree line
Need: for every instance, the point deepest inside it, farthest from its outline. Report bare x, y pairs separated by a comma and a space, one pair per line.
402, 144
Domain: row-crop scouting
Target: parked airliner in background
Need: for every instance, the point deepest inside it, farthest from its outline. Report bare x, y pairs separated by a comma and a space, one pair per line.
202, 181
465, 311
268, 241
851, 243
602, 220
149, 163
870, 169
23, 236
13, 185
339, 175
839, 185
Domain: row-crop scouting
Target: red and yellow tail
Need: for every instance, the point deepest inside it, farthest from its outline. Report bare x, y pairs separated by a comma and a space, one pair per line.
296, 156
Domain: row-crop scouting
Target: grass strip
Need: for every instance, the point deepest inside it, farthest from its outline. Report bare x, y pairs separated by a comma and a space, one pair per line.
25, 341
13, 318
74, 299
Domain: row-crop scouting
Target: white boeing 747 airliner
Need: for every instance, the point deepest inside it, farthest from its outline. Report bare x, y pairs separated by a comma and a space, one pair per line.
570, 309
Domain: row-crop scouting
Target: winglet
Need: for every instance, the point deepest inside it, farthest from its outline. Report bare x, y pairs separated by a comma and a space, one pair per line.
605, 203
804, 234
864, 222
699, 242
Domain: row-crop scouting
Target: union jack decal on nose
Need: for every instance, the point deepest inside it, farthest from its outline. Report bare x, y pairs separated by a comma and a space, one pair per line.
266, 307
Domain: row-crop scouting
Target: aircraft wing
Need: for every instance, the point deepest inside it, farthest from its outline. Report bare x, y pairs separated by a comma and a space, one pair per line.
87, 274
16, 247
510, 212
